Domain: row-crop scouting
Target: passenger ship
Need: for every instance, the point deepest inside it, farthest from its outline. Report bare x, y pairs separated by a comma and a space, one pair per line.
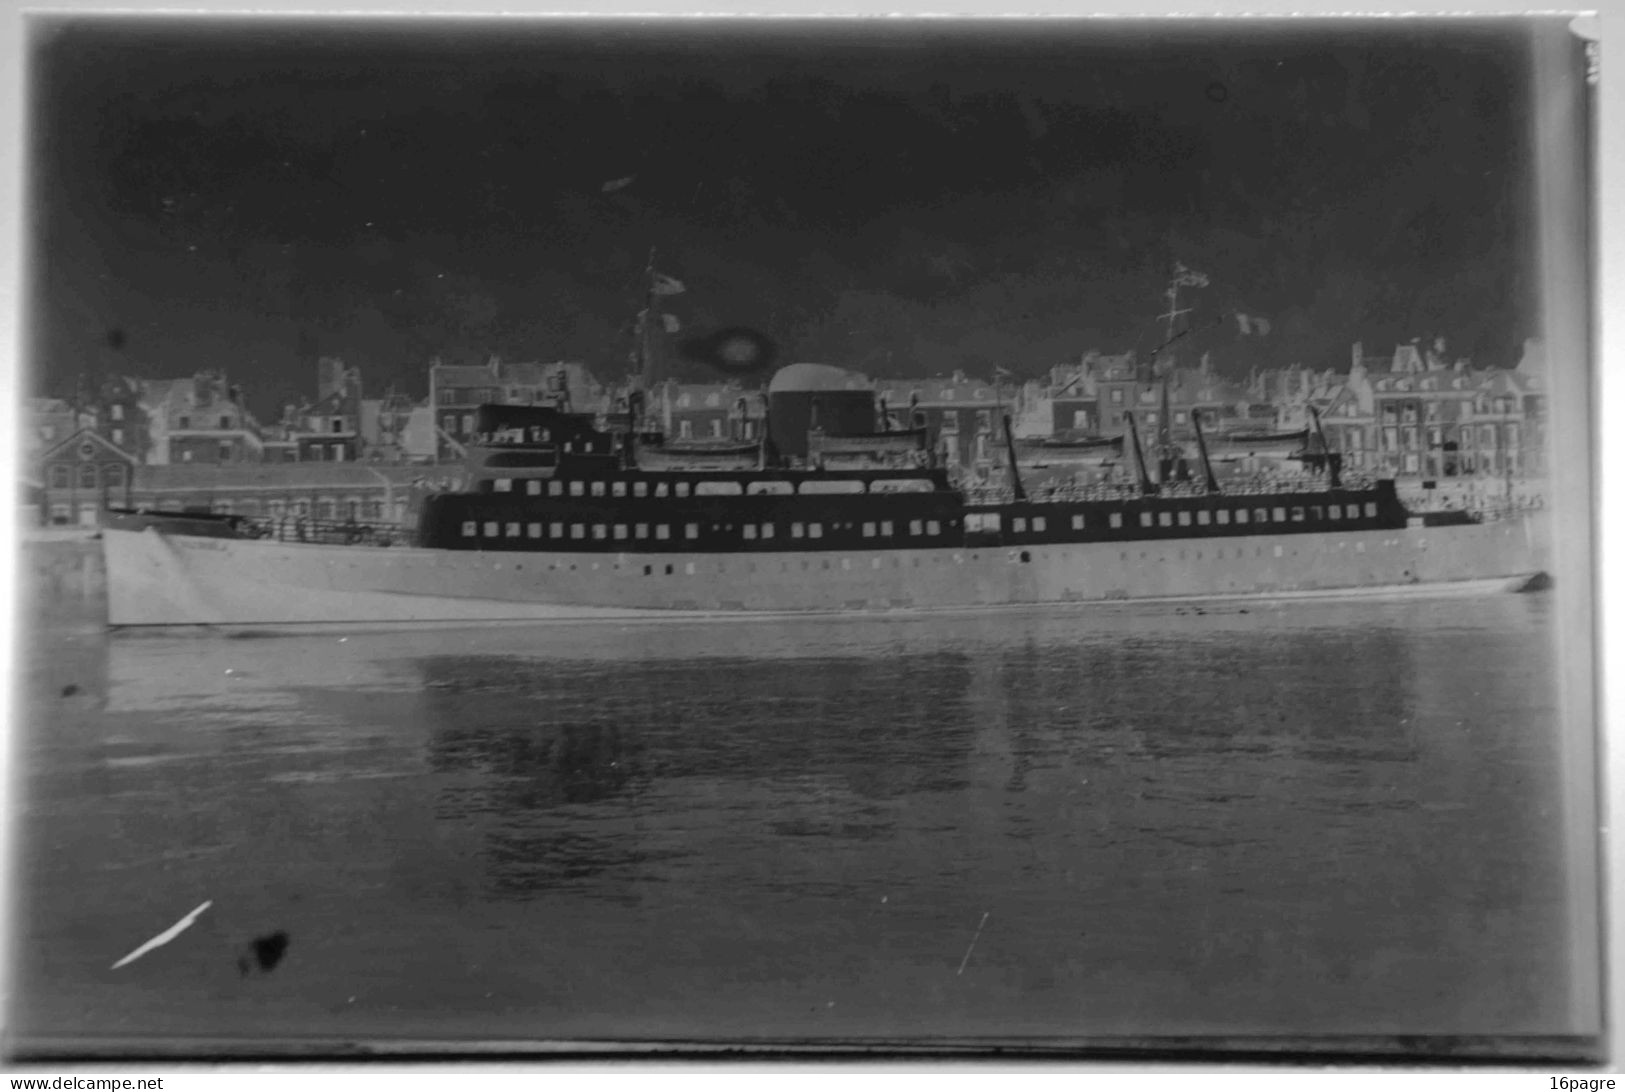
561, 521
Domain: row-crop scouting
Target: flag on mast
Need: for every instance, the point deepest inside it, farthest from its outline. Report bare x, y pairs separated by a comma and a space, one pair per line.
662, 285
668, 322
1190, 278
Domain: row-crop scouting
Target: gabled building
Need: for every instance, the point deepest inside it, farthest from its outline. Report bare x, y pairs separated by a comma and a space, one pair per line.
80, 475
1074, 400
46, 422
113, 407
1416, 422
962, 413
1120, 389
1346, 418
198, 420
1063, 403
328, 429
1504, 428
1419, 415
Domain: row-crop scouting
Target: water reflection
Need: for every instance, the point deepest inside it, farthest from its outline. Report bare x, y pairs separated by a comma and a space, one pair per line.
544, 750
1341, 817
575, 768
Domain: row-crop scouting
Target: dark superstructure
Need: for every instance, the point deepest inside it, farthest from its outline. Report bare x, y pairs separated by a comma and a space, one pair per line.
546, 479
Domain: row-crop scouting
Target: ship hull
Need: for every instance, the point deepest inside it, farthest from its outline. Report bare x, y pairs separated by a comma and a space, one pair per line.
158, 579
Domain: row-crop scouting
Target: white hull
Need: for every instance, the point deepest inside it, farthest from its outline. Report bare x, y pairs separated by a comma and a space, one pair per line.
159, 580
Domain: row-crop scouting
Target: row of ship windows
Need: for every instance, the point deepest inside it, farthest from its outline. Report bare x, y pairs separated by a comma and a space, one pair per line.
976, 522
983, 521
662, 532
599, 488
989, 521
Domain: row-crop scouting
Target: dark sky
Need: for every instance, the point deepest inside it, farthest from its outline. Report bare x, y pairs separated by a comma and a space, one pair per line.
901, 197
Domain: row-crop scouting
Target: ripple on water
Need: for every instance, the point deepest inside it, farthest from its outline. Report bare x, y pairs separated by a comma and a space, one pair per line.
1239, 823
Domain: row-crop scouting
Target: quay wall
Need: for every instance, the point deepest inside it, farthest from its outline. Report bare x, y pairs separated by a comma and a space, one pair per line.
62, 575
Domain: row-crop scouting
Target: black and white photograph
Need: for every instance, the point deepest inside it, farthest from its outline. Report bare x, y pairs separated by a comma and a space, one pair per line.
918, 537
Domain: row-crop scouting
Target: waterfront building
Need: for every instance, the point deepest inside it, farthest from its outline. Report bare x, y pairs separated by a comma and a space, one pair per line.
1511, 413
706, 411
457, 391
1346, 415
1073, 400
387, 433
325, 490
1224, 406
329, 428
81, 474
1417, 415
1120, 390
962, 413
1064, 403
46, 422
418, 440
115, 411
198, 420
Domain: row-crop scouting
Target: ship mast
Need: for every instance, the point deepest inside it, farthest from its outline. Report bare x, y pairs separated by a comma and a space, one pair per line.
1166, 451
1334, 461
1183, 277
1016, 488
646, 326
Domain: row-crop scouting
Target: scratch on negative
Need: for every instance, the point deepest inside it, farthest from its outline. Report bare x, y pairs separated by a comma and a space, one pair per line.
973, 941
164, 937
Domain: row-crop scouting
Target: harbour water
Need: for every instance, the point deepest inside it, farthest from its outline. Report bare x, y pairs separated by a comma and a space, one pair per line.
1306, 820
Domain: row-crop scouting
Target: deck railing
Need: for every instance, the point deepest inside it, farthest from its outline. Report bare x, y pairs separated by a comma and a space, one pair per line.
327, 532
1250, 487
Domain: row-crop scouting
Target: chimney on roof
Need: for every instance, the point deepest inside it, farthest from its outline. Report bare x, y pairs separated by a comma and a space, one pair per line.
330, 377
1533, 358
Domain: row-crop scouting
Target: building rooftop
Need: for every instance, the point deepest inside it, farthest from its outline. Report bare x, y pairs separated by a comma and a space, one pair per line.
463, 375
957, 389
290, 475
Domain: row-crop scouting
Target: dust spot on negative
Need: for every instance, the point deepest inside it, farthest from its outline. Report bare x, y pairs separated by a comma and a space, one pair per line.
263, 953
